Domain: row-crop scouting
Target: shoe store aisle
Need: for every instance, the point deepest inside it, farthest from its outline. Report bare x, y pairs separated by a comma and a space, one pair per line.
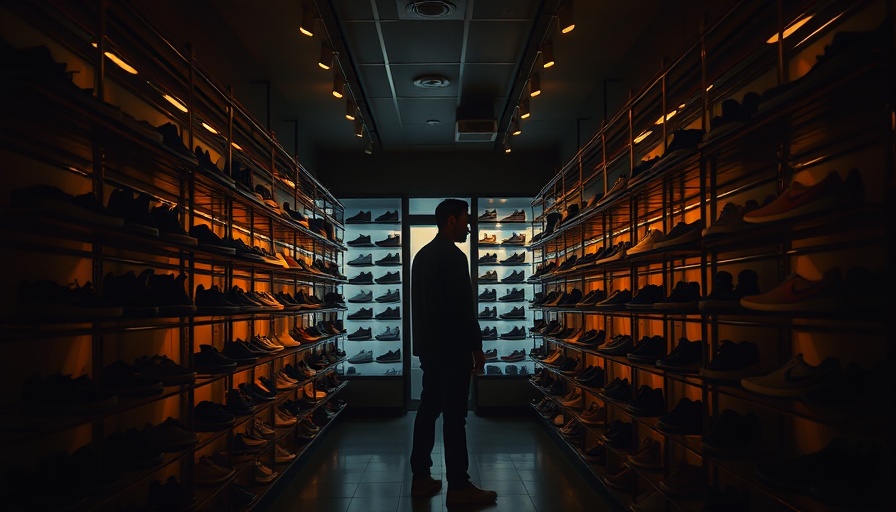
362, 465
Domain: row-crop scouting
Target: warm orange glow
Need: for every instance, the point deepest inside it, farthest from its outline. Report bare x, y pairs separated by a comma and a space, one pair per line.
643, 136
534, 86
350, 110
118, 61
307, 26
209, 128
565, 17
547, 55
524, 108
236, 146
790, 30
176, 102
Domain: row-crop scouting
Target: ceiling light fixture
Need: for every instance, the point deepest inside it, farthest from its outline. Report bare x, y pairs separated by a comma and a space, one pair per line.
369, 149
430, 8
326, 57
524, 108
515, 128
547, 54
534, 85
176, 102
359, 128
209, 127
338, 86
507, 148
118, 61
565, 16
643, 136
351, 110
308, 19
236, 146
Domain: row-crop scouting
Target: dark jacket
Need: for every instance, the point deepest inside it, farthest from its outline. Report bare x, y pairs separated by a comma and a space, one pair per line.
443, 315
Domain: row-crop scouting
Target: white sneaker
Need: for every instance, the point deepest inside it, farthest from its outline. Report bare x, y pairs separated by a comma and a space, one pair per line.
646, 244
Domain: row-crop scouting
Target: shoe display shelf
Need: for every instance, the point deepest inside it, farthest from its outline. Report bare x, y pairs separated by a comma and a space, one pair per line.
375, 267
133, 247
751, 251
503, 229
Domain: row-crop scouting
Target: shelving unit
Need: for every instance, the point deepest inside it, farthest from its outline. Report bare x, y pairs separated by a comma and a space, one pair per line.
377, 236
796, 119
169, 136
502, 229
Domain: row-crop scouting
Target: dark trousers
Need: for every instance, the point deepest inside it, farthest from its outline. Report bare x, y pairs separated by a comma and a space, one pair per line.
445, 391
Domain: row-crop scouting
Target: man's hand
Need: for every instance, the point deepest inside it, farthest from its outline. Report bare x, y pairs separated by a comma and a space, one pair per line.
478, 362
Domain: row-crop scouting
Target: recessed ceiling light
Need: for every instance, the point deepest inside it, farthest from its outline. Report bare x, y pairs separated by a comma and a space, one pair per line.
433, 122
430, 8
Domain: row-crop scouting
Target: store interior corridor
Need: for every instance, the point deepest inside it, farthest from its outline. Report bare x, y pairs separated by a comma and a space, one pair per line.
362, 465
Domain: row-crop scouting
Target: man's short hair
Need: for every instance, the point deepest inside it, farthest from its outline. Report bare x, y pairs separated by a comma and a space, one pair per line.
450, 208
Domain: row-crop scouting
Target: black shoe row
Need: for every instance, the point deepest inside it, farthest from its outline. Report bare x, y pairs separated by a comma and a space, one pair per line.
367, 314
363, 217
517, 313
492, 259
367, 278
365, 241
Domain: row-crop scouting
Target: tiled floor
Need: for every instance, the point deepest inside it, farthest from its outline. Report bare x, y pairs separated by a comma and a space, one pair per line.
362, 465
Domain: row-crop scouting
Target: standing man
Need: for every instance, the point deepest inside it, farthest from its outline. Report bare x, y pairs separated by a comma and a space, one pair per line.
448, 341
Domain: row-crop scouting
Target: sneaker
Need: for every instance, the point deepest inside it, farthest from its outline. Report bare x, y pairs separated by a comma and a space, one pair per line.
164, 369
686, 357
515, 239
262, 474
488, 295
798, 200
647, 297
516, 216
389, 216
622, 479
126, 381
469, 495
797, 293
209, 473
794, 379
682, 234
389, 278
361, 241
389, 314
617, 391
488, 239
731, 219
686, 418
646, 244
359, 218
517, 276
361, 314
211, 417
517, 313
361, 298
648, 350
513, 295
619, 345
362, 278
364, 356
648, 402
389, 335
488, 216
733, 361
616, 300
488, 259
389, 296
392, 356
515, 259
390, 260
488, 313
389, 241
489, 276
685, 295
363, 260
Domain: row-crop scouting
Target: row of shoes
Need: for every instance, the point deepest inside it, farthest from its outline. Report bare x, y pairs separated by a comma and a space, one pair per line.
492, 216
366, 260
491, 333
389, 313
517, 258
491, 313
491, 356
510, 369
367, 278
511, 295
365, 296
366, 334
363, 217
365, 241
149, 294
491, 276
366, 356
390, 372
797, 201
514, 239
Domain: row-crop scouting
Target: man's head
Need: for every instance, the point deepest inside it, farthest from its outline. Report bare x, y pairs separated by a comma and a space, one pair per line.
452, 217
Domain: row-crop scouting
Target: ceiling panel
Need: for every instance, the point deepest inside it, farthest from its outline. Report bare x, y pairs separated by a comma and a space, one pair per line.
375, 82
403, 77
505, 9
422, 133
348, 10
489, 80
363, 42
423, 41
417, 110
497, 41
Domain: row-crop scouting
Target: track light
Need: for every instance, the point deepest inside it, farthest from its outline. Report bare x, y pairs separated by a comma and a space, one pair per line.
369, 149
534, 85
564, 15
507, 147
515, 127
326, 57
359, 128
308, 19
524, 108
547, 54
338, 86
350, 110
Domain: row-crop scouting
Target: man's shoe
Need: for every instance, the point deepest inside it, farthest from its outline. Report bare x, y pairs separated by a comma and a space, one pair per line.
425, 486
470, 495
798, 200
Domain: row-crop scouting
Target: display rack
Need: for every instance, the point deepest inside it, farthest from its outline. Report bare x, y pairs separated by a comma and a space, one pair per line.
652, 219
375, 267
156, 223
503, 228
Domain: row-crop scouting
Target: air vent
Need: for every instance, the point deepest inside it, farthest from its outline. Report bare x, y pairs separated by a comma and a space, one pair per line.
430, 8
431, 81
475, 130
